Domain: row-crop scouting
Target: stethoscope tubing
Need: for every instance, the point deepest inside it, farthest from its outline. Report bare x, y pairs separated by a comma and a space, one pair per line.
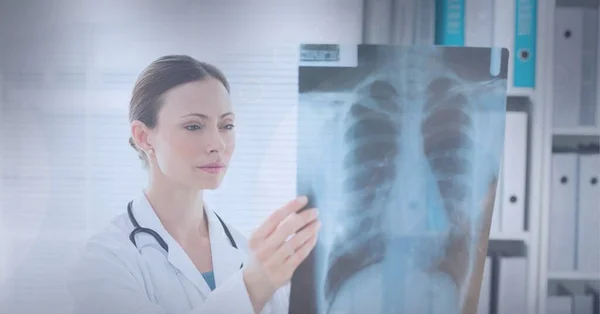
138, 229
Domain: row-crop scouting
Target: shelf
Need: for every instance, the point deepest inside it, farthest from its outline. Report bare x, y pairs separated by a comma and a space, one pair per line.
508, 244
520, 92
509, 236
573, 275
577, 131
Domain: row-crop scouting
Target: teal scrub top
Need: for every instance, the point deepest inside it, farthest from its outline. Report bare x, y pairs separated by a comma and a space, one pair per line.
209, 277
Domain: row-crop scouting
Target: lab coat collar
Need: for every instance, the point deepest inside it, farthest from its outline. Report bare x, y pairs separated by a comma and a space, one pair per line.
226, 259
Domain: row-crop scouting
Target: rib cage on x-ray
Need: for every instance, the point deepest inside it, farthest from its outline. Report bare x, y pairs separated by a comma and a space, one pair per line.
379, 132
371, 139
447, 144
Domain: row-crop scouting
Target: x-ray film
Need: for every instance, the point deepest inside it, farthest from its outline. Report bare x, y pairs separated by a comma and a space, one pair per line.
400, 150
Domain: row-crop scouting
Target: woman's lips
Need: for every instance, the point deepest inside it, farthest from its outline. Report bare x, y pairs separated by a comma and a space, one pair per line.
212, 168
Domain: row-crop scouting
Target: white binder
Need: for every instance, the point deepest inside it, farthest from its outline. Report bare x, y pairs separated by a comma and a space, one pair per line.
562, 223
413, 22
479, 23
514, 164
403, 22
582, 302
491, 23
559, 304
485, 292
568, 43
588, 214
425, 24
589, 64
512, 286
504, 30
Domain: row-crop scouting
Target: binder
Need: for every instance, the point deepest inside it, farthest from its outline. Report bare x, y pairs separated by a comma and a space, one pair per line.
413, 22
485, 292
524, 43
582, 302
510, 24
504, 29
588, 214
425, 24
450, 22
592, 289
479, 23
559, 299
589, 59
559, 304
568, 42
562, 223
512, 285
403, 22
576, 67
377, 22
514, 164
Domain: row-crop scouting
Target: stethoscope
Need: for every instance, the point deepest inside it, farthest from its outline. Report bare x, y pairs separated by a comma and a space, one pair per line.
138, 229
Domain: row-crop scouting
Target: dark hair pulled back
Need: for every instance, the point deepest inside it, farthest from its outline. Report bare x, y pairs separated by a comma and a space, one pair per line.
159, 77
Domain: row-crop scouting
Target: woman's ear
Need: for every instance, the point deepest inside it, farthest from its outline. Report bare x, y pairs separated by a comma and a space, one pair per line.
139, 134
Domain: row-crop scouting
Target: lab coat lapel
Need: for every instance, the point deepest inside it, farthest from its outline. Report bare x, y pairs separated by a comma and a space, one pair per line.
177, 257
181, 261
225, 258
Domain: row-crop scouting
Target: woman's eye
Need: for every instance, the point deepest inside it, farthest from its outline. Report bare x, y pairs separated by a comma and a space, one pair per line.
193, 127
228, 126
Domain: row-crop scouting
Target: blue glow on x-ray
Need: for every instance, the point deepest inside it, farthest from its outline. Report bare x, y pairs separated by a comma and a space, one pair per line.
399, 166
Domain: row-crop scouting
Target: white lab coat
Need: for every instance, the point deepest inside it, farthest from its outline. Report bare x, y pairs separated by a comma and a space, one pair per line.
114, 277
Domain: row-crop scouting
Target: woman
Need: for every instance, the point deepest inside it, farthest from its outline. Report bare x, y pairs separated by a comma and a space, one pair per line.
182, 125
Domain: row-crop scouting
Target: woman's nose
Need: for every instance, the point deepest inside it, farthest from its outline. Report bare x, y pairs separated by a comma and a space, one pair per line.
216, 142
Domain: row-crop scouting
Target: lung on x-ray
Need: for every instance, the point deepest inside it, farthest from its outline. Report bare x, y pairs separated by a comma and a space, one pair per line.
400, 151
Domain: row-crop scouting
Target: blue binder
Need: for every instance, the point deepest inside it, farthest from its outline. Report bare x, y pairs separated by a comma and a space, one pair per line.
525, 43
450, 22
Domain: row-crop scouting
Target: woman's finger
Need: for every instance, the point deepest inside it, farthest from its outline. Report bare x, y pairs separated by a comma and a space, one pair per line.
275, 219
292, 245
301, 253
287, 228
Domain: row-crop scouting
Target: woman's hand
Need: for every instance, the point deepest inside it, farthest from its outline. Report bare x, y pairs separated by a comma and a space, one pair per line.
277, 248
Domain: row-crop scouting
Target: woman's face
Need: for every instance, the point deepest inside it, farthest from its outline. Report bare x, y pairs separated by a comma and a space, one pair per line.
194, 138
